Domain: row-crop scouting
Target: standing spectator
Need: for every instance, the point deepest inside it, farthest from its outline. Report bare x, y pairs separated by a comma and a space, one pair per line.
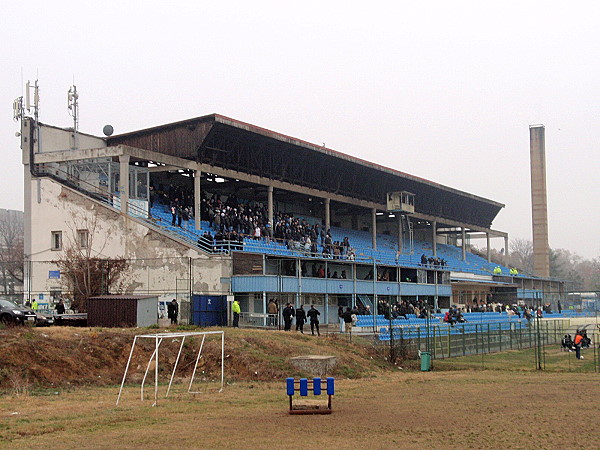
60, 307
179, 215
313, 314
348, 320
300, 319
173, 311
341, 318
577, 342
559, 307
272, 311
321, 272
288, 313
35, 305
174, 205
235, 308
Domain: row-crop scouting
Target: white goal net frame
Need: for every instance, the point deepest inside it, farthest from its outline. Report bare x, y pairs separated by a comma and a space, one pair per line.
158, 338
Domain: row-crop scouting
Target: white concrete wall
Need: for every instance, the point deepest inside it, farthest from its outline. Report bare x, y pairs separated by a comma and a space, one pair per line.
159, 264
53, 139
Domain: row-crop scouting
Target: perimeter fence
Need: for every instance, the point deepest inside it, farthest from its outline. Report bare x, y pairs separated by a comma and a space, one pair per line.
537, 345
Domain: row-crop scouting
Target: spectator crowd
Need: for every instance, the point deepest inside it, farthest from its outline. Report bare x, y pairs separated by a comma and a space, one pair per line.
231, 220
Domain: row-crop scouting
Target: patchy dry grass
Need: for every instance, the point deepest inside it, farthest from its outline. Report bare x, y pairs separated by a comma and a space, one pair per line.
483, 409
553, 360
60, 387
62, 357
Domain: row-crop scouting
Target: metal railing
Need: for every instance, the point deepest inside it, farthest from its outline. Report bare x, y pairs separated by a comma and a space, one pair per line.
262, 244
260, 320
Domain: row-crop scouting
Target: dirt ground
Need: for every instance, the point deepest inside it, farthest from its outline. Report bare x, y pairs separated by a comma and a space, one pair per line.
466, 409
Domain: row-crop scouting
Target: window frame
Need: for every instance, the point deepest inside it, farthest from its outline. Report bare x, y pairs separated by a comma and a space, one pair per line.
83, 238
54, 235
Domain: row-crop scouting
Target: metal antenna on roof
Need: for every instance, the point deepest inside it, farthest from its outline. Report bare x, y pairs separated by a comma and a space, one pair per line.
18, 110
73, 107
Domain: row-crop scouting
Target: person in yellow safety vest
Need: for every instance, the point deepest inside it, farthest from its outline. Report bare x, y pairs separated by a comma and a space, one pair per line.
34, 305
497, 270
235, 308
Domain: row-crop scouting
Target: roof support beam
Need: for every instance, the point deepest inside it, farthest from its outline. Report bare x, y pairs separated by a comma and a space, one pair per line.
175, 163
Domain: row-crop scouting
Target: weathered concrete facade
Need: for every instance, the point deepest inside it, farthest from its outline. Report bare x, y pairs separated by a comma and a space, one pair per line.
56, 217
159, 264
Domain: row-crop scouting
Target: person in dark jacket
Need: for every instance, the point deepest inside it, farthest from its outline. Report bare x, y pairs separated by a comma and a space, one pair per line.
60, 307
173, 311
288, 313
348, 320
341, 318
313, 314
300, 319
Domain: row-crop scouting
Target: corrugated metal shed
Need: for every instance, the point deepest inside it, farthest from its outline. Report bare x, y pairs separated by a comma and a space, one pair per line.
122, 311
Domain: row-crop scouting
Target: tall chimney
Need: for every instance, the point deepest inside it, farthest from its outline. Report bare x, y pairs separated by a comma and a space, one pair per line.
539, 201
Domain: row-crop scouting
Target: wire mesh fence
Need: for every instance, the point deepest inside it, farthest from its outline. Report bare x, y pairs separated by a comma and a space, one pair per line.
538, 345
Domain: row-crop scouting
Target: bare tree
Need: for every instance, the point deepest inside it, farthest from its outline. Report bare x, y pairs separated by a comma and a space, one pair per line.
85, 272
589, 270
11, 246
521, 255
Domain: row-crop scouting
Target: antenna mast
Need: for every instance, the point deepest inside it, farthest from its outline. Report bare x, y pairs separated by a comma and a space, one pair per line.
73, 107
18, 109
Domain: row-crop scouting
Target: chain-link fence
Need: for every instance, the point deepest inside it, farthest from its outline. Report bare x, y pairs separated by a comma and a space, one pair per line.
538, 345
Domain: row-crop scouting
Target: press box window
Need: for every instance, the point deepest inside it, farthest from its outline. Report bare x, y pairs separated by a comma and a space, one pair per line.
83, 238
56, 240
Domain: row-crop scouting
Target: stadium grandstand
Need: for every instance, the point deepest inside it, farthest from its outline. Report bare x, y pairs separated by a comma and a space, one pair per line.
212, 209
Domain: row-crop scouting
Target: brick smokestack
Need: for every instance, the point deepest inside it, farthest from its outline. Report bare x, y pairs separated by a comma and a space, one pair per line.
539, 201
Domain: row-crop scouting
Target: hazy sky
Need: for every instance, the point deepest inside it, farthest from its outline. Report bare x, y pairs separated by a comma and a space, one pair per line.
441, 90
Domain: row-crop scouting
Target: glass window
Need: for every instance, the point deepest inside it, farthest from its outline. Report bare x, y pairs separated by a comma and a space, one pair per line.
56, 243
83, 237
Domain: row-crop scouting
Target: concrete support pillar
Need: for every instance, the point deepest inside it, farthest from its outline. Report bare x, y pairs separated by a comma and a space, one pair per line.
270, 205
464, 244
434, 237
374, 227
489, 250
506, 250
124, 182
197, 199
327, 214
400, 244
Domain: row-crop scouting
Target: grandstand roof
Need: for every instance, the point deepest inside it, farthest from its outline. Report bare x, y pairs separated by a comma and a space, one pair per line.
222, 142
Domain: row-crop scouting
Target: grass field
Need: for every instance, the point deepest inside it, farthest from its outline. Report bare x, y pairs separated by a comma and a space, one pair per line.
552, 360
464, 409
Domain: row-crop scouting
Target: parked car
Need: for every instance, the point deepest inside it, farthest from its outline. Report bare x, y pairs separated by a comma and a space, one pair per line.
13, 314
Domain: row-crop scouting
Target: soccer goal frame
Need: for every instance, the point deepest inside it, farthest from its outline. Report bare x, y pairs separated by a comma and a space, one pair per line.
158, 339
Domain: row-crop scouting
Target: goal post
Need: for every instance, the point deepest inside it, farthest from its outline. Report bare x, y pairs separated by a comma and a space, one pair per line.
158, 340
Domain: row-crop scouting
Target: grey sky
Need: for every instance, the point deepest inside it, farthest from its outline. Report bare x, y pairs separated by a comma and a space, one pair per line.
442, 90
